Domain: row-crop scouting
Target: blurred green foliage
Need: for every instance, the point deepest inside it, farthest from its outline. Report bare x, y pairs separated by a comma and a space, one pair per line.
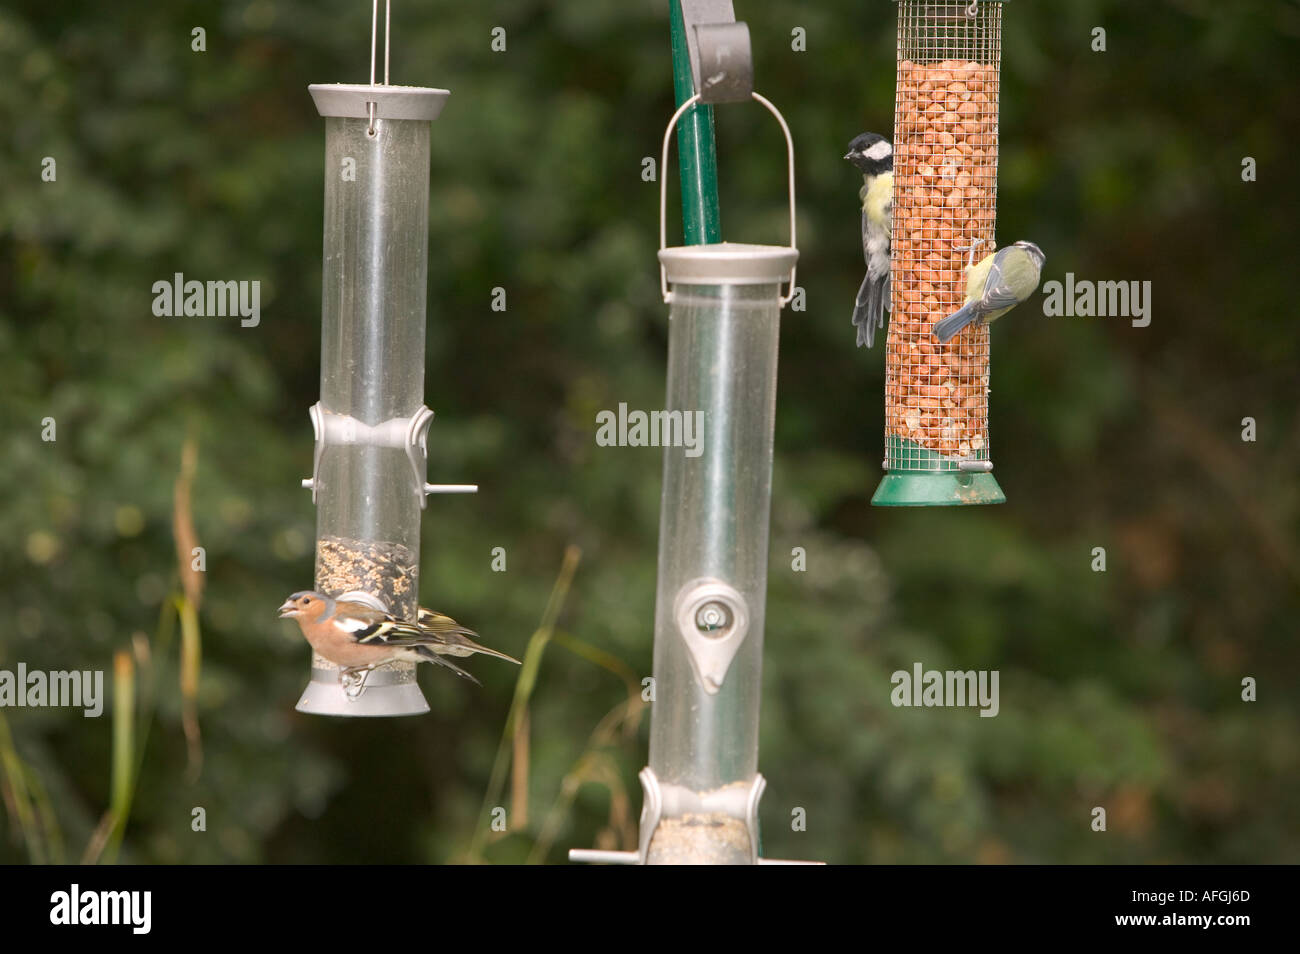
1119, 689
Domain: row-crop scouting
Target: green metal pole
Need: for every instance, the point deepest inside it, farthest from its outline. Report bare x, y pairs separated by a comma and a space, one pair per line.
696, 149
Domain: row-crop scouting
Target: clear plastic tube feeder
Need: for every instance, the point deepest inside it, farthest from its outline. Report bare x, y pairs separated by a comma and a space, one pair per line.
702, 785
368, 480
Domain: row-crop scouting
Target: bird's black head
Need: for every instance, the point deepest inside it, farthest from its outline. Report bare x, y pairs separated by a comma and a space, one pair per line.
872, 154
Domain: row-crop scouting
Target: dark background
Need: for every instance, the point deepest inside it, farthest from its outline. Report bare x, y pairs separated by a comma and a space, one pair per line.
1119, 689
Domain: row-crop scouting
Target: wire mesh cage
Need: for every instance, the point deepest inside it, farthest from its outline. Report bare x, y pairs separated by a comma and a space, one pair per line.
944, 212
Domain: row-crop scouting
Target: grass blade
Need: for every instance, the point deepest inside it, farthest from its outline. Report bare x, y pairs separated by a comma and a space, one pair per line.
523, 692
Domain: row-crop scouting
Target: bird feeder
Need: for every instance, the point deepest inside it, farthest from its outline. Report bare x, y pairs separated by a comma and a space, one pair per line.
371, 424
702, 785
945, 205
726, 303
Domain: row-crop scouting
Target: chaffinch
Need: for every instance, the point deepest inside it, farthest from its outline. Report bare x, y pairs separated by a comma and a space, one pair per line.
358, 637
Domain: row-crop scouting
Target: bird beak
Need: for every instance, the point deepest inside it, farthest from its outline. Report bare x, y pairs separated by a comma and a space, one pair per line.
286, 608
849, 154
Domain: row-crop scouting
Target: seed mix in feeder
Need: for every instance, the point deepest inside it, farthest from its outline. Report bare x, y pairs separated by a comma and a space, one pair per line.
387, 571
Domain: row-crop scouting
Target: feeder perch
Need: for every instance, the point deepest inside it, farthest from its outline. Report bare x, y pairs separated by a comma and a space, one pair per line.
371, 425
945, 209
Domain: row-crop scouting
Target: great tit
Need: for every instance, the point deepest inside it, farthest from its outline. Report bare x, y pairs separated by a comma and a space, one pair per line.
996, 285
874, 157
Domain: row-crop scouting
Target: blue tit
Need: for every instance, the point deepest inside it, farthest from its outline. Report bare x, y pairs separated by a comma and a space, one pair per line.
996, 285
874, 157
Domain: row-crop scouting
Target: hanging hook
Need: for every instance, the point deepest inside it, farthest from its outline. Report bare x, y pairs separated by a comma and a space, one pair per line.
374, 44
973, 10
663, 187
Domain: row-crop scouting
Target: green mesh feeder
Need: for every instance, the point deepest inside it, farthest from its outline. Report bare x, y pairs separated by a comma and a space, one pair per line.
945, 209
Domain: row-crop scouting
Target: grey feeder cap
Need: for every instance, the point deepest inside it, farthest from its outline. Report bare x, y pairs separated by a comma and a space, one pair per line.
728, 263
351, 101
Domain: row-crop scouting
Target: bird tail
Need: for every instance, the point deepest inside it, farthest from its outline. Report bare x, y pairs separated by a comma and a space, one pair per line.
454, 644
453, 639
951, 326
433, 657
869, 309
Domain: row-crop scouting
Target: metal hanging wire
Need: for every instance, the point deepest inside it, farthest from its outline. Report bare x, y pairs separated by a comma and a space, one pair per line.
374, 43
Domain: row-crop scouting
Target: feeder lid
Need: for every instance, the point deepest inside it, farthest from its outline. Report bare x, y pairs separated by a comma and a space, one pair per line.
351, 101
728, 263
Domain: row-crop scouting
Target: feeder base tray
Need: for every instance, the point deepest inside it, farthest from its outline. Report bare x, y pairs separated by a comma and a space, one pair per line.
930, 486
383, 695
911, 489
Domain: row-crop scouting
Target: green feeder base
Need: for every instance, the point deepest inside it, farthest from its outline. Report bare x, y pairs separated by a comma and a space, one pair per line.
928, 486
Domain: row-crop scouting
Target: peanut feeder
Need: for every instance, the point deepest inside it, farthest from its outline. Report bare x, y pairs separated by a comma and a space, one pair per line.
945, 205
